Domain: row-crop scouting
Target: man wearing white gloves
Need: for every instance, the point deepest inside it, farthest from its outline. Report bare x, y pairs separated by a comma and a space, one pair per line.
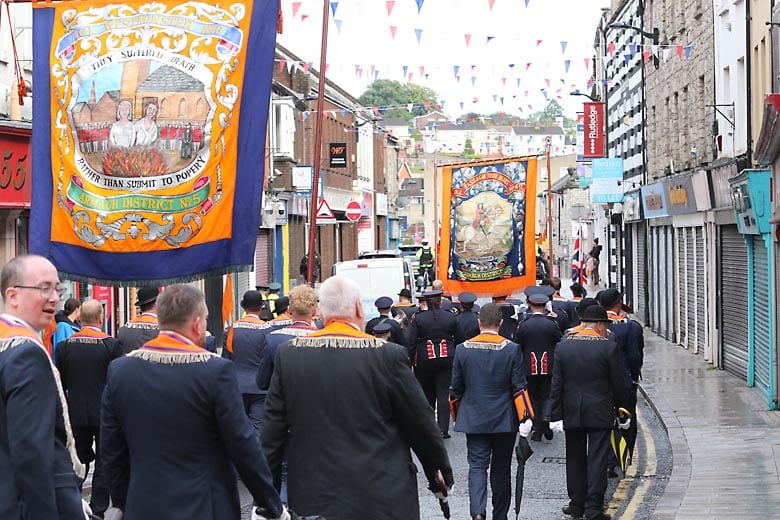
586, 390
486, 373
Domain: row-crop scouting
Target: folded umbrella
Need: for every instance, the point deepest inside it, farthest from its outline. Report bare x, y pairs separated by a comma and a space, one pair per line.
618, 439
523, 452
443, 502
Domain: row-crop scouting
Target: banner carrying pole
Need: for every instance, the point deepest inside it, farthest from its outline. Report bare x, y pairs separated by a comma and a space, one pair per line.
548, 142
318, 145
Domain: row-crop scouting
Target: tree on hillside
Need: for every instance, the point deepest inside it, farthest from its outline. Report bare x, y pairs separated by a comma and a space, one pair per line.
389, 93
550, 115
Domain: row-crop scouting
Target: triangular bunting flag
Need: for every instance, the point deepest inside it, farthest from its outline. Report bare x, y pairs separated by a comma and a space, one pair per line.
281, 65
306, 66
526, 5
427, 105
393, 28
547, 82
687, 50
409, 106
503, 81
632, 49
538, 42
566, 65
304, 17
563, 47
333, 7
626, 57
295, 7
390, 4
490, 3
489, 38
667, 52
419, 5
473, 80
611, 48
646, 56
406, 69
587, 63
418, 33
455, 69
468, 39
338, 25
422, 70
680, 51
409, 77
527, 65
654, 48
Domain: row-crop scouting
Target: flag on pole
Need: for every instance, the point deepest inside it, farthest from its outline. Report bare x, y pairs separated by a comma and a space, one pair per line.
227, 302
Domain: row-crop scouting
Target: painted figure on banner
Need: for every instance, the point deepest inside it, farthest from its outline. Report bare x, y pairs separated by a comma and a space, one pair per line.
123, 132
146, 127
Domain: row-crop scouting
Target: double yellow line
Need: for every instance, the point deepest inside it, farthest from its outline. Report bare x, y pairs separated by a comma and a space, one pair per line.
626, 491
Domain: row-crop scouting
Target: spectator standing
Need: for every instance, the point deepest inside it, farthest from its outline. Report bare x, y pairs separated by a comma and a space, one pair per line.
83, 362
346, 403
67, 323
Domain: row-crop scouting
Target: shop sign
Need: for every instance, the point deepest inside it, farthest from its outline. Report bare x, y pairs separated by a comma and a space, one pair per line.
338, 155
679, 194
654, 203
15, 169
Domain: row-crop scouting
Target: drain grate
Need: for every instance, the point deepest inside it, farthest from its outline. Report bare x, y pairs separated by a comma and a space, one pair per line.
554, 460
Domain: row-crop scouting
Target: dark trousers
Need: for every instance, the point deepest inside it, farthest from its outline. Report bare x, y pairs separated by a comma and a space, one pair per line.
84, 437
539, 390
435, 383
586, 468
254, 406
492, 450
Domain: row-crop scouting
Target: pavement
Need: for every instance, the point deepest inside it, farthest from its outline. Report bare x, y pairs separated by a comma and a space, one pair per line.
725, 444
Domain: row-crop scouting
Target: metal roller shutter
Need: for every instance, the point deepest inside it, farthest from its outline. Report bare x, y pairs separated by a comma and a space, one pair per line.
262, 258
761, 313
733, 275
640, 260
701, 291
690, 289
665, 289
670, 302
656, 288
682, 273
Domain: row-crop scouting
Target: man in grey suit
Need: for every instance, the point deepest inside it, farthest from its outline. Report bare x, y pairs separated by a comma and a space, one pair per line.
486, 373
586, 389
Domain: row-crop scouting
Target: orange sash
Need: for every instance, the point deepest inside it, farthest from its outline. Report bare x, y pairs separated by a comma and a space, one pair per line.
11, 330
89, 332
169, 341
339, 328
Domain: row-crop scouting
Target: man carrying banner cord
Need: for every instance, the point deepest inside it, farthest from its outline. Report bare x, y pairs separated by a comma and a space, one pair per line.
177, 409
38, 460
365, 383
138, 331
586, 389
486, 373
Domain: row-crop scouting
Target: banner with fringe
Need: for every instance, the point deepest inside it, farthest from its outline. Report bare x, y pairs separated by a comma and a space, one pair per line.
489, 246
147, 117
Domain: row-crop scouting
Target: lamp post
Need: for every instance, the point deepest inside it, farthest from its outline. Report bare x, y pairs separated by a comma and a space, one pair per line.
654, 35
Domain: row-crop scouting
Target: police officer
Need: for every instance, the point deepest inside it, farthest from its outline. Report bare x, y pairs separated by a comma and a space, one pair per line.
467, 321
431, 342
383, 305
269, 310
426, 257
537, 336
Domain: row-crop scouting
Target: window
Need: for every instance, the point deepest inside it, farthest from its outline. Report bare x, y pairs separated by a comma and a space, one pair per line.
283, 128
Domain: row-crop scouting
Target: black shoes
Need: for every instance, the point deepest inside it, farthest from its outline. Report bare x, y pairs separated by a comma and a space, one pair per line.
572, 511
536, 436
445, 435
548, 434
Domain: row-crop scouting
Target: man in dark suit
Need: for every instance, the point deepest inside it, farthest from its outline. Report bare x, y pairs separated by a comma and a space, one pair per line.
405, 304
486, 373
174, 430
38, 461
431, 342
383, 305
83, 361
467, 322
346, 409
244, 344
586, 390
144, 327
537, 336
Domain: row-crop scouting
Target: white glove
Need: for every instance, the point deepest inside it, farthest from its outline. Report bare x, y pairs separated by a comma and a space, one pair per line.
556, 426
86, 509
526, 427
625, 424
441, 495
257, 516
114, 514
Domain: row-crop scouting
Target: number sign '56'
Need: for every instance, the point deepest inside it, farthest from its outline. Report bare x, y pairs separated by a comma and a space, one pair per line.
15, 166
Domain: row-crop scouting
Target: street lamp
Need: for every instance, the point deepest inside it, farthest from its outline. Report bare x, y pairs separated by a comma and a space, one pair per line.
578, 93
654, 35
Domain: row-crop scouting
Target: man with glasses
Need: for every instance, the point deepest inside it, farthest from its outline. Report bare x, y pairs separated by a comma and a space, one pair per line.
38, 459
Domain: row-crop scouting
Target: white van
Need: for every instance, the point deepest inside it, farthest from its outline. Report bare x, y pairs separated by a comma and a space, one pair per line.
377, 277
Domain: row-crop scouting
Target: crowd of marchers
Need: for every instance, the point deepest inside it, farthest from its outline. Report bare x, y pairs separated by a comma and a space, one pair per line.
315, 410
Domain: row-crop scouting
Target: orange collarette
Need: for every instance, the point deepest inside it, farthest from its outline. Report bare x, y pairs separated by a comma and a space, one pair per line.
488, 337
342, 328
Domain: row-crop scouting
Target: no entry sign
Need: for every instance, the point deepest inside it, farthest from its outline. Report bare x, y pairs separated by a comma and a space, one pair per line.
353, 211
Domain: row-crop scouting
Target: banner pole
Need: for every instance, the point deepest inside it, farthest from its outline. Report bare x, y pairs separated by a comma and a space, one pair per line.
548, 141
317, 145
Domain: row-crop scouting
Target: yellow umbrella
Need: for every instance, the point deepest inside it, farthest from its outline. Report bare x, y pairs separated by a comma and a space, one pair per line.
617, 439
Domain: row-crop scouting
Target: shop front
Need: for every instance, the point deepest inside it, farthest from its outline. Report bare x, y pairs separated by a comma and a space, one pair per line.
662, 304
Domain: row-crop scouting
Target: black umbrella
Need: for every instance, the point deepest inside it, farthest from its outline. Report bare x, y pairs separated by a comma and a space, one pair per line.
523, 452
443, 502
619, 440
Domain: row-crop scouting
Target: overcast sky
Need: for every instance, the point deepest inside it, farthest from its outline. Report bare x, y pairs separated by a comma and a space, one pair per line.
492, 48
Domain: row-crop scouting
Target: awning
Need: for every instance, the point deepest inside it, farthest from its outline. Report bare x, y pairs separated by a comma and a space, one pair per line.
768, 144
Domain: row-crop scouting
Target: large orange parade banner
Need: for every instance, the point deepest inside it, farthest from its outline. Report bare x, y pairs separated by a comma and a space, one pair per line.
149, 123
487, 240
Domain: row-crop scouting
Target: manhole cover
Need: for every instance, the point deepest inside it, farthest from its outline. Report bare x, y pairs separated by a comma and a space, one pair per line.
554, 460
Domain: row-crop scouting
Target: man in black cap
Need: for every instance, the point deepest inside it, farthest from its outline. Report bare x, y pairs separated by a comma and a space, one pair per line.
382, 331
383, 305
467, 321
537, 336
431, 343
628, 335
586, 390
144, 327
560, 305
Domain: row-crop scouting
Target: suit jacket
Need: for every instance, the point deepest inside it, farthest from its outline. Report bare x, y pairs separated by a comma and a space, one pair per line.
537, 336
586, 384
487, 371
244, 344
173, 428
346, 409
438, 328
136, 332
397, 335
274, 339
38, 482
630, 339
466, 326
83, 362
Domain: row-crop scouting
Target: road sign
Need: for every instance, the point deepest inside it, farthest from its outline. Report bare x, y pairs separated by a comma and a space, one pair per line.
325, 214
354, 211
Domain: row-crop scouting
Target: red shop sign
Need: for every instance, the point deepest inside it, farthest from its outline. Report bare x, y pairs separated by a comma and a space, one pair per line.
594, 131
15, 168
